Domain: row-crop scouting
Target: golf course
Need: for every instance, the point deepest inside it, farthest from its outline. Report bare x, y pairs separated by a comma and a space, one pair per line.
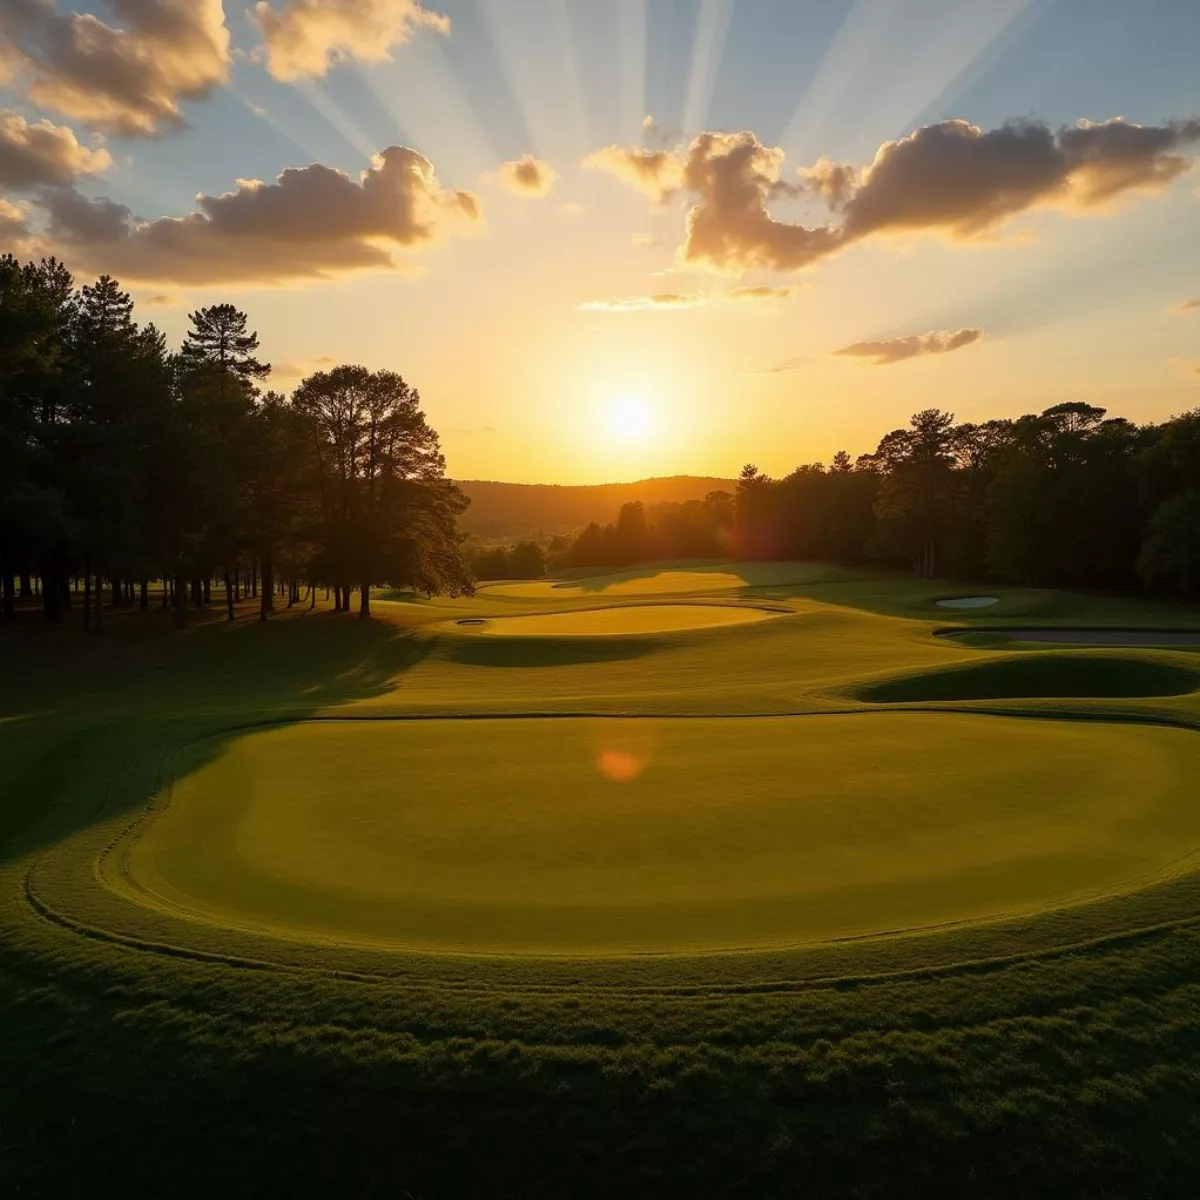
728, 857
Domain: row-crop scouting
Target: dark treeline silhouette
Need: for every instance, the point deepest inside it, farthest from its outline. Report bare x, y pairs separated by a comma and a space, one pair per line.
122, 463
1069, 497
522, 560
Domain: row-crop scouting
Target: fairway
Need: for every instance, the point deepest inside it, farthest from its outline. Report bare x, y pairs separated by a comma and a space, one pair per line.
666, 581
623, 620
614, 836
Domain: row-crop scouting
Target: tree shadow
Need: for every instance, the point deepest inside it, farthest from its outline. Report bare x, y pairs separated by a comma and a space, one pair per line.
548, 651
87, 735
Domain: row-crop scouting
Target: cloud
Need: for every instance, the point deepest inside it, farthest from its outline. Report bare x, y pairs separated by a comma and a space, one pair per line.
44, 154
303, 38
680, 300
882, 354
312, 223
300, 367
760, 293
657, 173
526, 176
1186, 306
951, 178
662, 301
13, 228
955, 178
571, 209
730, 230
126, 80
158, 301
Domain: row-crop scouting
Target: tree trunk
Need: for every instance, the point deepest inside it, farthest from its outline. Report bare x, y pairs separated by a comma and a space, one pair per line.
144, 594
8, 586
87, 594
179, 593
116, 592
312, 597
364, 604
197, 592
26, 586
98, 595
268, 590
207, 590
229, 595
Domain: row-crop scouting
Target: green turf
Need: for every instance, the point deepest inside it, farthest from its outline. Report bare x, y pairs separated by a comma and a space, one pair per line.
1045, 1047
666, 835
618, 621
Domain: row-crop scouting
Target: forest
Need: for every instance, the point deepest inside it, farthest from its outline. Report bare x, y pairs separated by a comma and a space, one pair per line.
124, 462
1070, 497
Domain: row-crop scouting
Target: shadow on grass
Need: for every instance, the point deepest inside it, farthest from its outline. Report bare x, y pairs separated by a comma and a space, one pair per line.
548, 651
1066, 676
85, 734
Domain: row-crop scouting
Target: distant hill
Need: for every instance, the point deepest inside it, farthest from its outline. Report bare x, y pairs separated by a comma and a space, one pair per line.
516, 510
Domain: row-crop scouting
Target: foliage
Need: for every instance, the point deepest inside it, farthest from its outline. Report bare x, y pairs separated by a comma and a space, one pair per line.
120, 461
1064, 497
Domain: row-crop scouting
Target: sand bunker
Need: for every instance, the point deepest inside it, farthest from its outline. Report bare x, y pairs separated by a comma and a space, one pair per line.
969, 602
621, 620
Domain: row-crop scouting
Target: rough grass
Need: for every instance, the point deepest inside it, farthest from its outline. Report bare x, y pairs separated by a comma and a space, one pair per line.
148, 1053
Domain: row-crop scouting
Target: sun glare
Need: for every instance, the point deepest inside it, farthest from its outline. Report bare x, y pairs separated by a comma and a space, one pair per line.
630, 417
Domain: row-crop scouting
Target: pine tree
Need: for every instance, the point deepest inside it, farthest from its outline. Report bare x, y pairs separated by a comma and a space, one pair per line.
220, 341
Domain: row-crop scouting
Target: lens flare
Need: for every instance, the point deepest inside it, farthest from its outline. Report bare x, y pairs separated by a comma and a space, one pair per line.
620, 766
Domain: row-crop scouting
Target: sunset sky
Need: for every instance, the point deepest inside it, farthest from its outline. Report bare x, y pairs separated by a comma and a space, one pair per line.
638, 237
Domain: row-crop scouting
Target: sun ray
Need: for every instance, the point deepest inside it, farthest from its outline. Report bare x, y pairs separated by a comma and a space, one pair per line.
911, 59
325, 105
631, 63
430, 108
712, 28
549, 97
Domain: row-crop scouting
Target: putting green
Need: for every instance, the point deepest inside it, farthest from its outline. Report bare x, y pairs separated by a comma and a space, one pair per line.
666, 581
619, 621
596, 835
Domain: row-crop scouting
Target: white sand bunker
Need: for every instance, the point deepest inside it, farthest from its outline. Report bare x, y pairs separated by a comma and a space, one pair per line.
969, 602
622, 620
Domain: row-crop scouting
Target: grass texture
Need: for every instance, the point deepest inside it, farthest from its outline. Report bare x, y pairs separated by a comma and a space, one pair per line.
822, 905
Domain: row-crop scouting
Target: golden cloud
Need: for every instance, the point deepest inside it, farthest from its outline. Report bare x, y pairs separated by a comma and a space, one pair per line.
312, 223
894, 350
300, 367
44, 154
662, 301
951, 178
123, 80
657, 173
526, 176
303, 38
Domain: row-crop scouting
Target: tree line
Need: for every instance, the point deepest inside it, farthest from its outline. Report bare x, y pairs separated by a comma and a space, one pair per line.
1068, 497
123, 462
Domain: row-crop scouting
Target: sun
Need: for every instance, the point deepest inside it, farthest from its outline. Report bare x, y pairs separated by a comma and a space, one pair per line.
630, 417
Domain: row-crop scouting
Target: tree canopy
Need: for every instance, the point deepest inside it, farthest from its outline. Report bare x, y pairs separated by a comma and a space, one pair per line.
123, 462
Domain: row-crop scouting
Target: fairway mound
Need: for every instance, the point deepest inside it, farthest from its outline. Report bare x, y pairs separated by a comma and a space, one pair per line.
1093, 637
674, 580
610, 836
969, 602
619, 621
1064, 676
